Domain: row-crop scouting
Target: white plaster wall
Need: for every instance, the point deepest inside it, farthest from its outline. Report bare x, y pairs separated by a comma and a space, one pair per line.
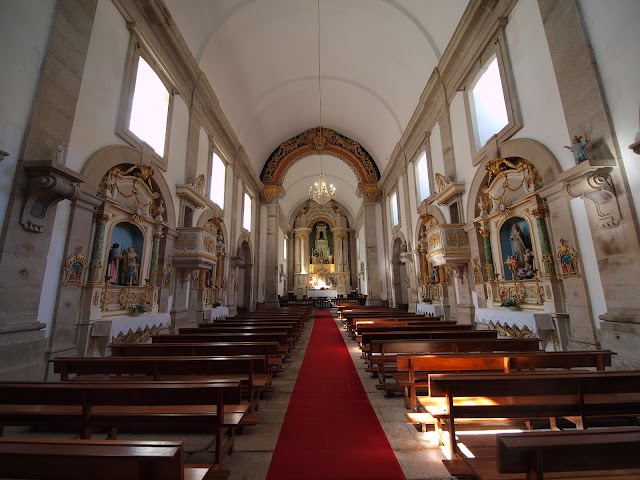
228, 201
403, 209
281, 282
588, 260
615, 38
54, 270
25, 33
94, 125
178, 151
362, 258
238, 212
203, 155
465, 170
536, 85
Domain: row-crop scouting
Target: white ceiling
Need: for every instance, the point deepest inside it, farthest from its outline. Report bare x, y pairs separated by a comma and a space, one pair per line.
261, 57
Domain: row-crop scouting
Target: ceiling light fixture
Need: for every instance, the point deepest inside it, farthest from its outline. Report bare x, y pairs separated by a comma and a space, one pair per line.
319, 192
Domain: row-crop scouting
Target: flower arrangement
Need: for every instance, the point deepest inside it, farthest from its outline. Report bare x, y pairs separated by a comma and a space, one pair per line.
217, 304
510, 302
140, 307
427, 299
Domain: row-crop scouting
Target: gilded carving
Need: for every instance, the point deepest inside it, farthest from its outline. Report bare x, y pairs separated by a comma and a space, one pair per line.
209, 244
434, 241
477, 271
74, 268
568, 257
441, 182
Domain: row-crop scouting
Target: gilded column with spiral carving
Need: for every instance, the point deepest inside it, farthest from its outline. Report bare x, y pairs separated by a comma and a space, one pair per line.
155, 254
488, 254
101, 220
219, 269
547, 255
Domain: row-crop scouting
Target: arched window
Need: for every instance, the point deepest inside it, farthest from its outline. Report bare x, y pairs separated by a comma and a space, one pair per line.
246, 213
422, 174
393, 204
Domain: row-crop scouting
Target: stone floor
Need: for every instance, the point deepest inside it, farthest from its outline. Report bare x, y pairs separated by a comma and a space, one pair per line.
418, 453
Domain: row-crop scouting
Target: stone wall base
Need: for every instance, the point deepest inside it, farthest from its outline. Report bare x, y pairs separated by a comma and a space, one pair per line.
22, 355
624, 339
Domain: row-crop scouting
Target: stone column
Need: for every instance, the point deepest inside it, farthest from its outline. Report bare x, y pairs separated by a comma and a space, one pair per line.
271, 279
297, 253
540, 214
155, 253
26, 239
95, 274
371, 244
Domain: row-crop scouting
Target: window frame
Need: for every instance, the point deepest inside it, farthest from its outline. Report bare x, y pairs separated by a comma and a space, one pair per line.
496, 45
246, 195
394, 192
137, 49
214, 150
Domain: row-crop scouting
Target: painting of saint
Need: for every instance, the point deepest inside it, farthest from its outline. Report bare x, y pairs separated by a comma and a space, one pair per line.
516, 249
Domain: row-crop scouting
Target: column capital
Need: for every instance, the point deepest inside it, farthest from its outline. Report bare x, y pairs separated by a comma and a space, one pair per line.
102, 217
540, 212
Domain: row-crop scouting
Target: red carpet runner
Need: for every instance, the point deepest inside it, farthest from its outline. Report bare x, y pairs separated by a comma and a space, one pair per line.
331, 430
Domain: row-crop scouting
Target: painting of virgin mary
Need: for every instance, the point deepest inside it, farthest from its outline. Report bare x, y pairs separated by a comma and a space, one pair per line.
516, 249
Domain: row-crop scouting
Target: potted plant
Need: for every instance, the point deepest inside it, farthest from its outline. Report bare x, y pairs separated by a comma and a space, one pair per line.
427, 299
140, 308
510, 303
217, 304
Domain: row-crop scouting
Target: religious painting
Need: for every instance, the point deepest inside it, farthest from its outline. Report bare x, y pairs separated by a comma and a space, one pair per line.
166, 277
124, 258
74, 268
568, 257
516, 249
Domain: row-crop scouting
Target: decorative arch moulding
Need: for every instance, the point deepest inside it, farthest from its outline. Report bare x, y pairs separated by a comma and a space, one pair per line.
312, 142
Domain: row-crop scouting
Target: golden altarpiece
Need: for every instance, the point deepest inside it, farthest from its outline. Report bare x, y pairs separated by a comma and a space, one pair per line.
321, 265
123, 269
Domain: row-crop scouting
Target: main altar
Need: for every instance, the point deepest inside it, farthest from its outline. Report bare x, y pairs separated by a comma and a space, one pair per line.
321, 252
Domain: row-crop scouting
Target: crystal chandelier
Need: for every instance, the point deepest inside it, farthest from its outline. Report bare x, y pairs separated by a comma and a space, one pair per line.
319, 192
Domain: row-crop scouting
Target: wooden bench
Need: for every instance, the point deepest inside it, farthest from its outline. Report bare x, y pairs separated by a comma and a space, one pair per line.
53, 459
251, 370
413, 370
576, 396
385, 352
89, 407
269, 349
601, 453
213, 328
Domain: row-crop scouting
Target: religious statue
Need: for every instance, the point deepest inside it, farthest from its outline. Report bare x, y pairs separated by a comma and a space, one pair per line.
517, 244
477, 271
485, 204
129, 268
577, 148
200, 184
497, 166
160, 211
145, 172
113, 264
442, 182
512, 263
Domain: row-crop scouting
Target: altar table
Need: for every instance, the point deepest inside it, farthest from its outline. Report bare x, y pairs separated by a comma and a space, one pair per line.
519, 324
432, 309
117, 329
215, 313
326, 293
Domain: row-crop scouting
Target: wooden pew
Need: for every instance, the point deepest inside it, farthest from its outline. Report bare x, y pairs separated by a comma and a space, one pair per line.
578, 396
89, 407
73, 459
413, 370
425, 334
602, 453
385, 352
398, 327
251, 370
279, 336
269, 349
212, 328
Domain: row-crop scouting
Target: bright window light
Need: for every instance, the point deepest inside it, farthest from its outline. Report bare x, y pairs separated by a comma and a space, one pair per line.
394, 209
284, 255
488, 108
150, 108
423, 177
218, 170
246, 214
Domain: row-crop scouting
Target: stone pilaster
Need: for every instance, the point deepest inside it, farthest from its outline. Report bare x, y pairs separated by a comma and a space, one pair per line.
371, 245
271, 279
540, 214
155, 253
95, 273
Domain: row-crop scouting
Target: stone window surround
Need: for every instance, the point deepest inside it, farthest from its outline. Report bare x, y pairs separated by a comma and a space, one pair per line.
138, 47
496, 45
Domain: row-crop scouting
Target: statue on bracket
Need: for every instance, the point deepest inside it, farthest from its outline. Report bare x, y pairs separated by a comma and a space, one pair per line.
577, 148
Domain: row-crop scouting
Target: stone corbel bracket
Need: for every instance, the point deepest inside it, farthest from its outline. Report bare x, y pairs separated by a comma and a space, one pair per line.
49, 182
594, 183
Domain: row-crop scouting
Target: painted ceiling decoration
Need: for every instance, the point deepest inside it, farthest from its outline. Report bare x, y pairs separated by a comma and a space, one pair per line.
312, 142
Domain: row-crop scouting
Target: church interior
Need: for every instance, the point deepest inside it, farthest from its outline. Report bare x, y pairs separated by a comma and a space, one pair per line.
341, 218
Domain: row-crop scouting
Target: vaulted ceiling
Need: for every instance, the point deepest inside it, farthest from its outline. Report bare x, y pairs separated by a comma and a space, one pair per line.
261, 58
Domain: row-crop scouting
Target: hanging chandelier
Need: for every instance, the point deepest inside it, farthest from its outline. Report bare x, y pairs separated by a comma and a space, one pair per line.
319, 192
